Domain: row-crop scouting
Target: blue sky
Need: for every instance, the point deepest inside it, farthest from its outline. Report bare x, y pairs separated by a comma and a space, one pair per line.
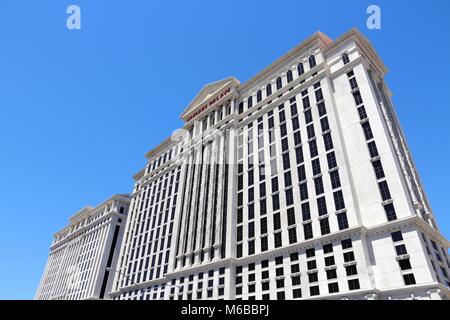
79, 109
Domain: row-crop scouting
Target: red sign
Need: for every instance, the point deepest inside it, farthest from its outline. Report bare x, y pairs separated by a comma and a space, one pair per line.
209, 104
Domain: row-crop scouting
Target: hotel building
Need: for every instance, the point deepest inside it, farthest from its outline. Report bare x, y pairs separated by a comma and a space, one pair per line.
297, 184
81, 253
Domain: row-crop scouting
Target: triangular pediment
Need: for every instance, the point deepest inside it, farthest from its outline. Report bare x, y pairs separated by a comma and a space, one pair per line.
208, 92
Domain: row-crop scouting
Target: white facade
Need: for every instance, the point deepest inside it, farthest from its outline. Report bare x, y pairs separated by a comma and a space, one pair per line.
81, 252
297, 184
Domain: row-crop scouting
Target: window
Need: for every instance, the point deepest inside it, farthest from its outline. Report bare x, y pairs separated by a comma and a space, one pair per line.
276, 202
346, 243
265, 286
241, 107
338, 200
331, 274
264, 244
294, 110
404, 264
276, 221
353, 284
342, 221
318, 93
390, 212
349, 256
310, 253
239, 250
251, 229
324, 124
313, 149
297, 293
299, 155
335, 181
287, 179
291, 216
401, 249
262, 207
308, 231
322, 109
292, 235
303, 191
353, 83
329, 261
357, 97
289, 76
294, 256
316, 166
397, 236
322, 206
367, 130
286, 162
362, 113
310, 131
306, 212
263, 225
274, 182
314, 291
331, 158
280, 283
327, 248
384, 190
281, 295
345, 58
333, 287
239, 233
277, 240
279, 83
258, 96
250, 102
279, 271
306, 103
324, 226
300, 69
312, 61
378, 167
308, 116
296, 281
409, 279
351, 270
312, 277
297, 136
373, 149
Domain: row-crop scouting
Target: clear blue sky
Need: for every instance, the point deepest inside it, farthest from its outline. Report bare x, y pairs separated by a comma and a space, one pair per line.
79, 109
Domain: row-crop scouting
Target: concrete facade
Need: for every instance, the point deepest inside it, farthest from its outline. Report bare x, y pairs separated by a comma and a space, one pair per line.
81, 252
297, 184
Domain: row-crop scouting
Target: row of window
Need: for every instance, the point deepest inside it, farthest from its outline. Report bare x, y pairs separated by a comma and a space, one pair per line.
266, 279
278, 84
147, 254
375, 158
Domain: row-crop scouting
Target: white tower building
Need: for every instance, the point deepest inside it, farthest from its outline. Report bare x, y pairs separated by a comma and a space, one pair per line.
83, 250
297, 184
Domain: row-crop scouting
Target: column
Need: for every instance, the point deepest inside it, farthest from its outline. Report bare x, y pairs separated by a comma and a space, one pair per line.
217, 241
184, 210
201, 206
193, 213
211, 200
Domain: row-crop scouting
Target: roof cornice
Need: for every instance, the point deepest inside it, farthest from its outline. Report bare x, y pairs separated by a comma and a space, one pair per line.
365, 46
317, 39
